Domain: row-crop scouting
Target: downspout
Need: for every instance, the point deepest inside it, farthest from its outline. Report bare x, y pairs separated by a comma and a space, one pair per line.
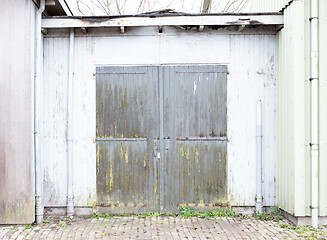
314, 112
259, 199
70, 185
38, 102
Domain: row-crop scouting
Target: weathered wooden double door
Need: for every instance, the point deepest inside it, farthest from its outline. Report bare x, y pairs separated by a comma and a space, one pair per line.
161, 137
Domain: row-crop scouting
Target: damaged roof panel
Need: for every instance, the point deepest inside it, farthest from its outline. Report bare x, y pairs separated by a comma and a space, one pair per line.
167, 19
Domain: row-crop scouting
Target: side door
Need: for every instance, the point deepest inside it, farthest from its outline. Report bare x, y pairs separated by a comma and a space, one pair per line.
127, 130
194, 166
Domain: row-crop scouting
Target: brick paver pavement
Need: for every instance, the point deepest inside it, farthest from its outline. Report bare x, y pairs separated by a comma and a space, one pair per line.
161, 227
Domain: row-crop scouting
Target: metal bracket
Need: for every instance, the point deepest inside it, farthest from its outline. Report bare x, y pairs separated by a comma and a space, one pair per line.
84, 30
313, 18
259, 200
313, 144
310, 79
314, 207
200, 28
44, 31
241, 27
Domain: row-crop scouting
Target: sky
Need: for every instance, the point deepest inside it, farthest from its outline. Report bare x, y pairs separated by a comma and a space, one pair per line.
96, 7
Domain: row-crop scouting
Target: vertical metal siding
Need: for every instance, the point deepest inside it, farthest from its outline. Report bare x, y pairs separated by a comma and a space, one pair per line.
323, 107
293, 110
16, 112
250, 60
55, 121
307, 105
84, 125
285, 146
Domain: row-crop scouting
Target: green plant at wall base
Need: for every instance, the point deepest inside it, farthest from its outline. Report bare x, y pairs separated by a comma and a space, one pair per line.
149, 214
48, 220
188, 212
275, 214
28, 226
105, 215
170, 214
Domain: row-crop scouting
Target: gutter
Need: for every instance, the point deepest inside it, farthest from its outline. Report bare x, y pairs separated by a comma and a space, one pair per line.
259, 197
314, 144
38, 103
70, 141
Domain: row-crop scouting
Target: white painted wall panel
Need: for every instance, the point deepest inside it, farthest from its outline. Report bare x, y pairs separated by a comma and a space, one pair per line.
127, 50
84, 123
250, 59
251, 79
54, 151
55, 121
194, 48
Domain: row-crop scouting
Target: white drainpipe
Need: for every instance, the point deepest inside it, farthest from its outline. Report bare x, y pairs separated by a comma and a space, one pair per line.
259, 200
70, 185
38, 102
314, 112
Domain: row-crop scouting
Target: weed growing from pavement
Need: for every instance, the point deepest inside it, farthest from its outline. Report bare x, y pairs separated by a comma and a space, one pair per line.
307, 232
62, 224
14, 227
29, 226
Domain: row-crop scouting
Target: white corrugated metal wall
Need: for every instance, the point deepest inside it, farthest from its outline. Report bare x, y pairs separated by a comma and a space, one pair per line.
293, 110
250, 59
290, 112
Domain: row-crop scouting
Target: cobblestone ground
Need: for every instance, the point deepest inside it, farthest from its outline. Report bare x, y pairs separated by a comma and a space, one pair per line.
162, 227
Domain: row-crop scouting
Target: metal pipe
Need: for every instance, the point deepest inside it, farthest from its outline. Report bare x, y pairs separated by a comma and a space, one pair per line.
314, 113
259, 200
70, 142
38, 103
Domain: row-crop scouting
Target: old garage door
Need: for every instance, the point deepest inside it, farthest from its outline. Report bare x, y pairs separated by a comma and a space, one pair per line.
161, 137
